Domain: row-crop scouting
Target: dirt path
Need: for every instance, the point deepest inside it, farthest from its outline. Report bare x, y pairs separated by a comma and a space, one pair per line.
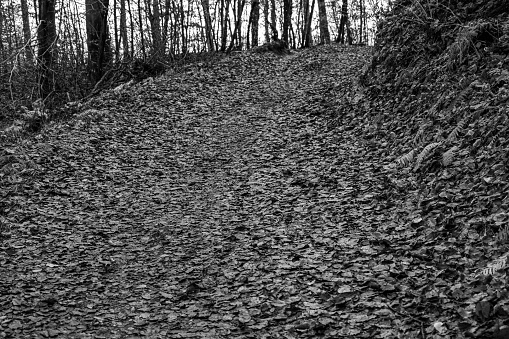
210, 204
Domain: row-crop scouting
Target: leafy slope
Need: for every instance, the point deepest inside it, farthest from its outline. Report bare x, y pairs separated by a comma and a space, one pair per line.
441, 106
220, 203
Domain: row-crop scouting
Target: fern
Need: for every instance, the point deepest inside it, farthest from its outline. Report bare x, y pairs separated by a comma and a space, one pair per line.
424, 154
503, 234
419, 136
406, 159
448, 157
453, 136
497, 265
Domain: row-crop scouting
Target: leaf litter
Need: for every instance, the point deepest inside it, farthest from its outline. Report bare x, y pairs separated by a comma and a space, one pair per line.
219, 203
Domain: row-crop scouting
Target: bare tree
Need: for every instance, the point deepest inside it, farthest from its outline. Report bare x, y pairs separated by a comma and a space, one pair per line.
344, 27
255, 19
154, 18
26, 31
208, 24
324, 24
266, 19
335, 14
225, 20
98, 41
362, 8
166, 22
307, 17
123, 30
287, 19
141, 31
1, 32
236, 31
273, 23
46, 35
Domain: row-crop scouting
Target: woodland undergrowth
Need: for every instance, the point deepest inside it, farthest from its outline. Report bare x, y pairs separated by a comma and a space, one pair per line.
438, 97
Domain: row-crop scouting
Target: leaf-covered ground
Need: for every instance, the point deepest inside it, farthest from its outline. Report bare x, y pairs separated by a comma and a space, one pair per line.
218, 203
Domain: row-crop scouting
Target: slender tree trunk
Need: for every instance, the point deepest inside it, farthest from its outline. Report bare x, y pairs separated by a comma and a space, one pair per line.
1, 33
349, 38
176, 26
78, 36
142, 35
154, 18
361, 21
294, 38
237, 25
365, 18
324, 24
166, 22
343, 25
99, 44
273, 14
248, 39
225, 21
335, 14
26, 32
273, 23
131, 25
287, 19
208, 25
216, 27
308, 41
115, 29
255, 17
266, 19
183, 27
123, 30
36, 7
46, 35
305, 18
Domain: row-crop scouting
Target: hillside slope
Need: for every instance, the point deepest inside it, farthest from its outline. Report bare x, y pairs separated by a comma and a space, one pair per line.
437, 94
213, 203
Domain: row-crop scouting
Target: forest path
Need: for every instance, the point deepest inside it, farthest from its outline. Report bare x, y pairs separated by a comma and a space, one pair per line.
209, 204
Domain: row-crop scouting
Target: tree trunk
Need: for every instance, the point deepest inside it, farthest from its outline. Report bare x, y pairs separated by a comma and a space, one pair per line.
237, 25
1, 33
183, 27
115, 29
361, 16
287, 19
46, 34
324, 24
306, 35
225, 18
26, 32
208, 24
266, 17
166, 22
123, 30
343, 25
154, 18
273, 23
98, 41
255, 17
335, 14
131, 26
142, 35
175, 45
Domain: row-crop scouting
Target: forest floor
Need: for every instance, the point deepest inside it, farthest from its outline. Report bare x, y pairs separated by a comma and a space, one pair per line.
214, 203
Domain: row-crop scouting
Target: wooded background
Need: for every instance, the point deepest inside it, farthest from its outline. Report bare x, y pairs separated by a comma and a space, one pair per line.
59, 50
